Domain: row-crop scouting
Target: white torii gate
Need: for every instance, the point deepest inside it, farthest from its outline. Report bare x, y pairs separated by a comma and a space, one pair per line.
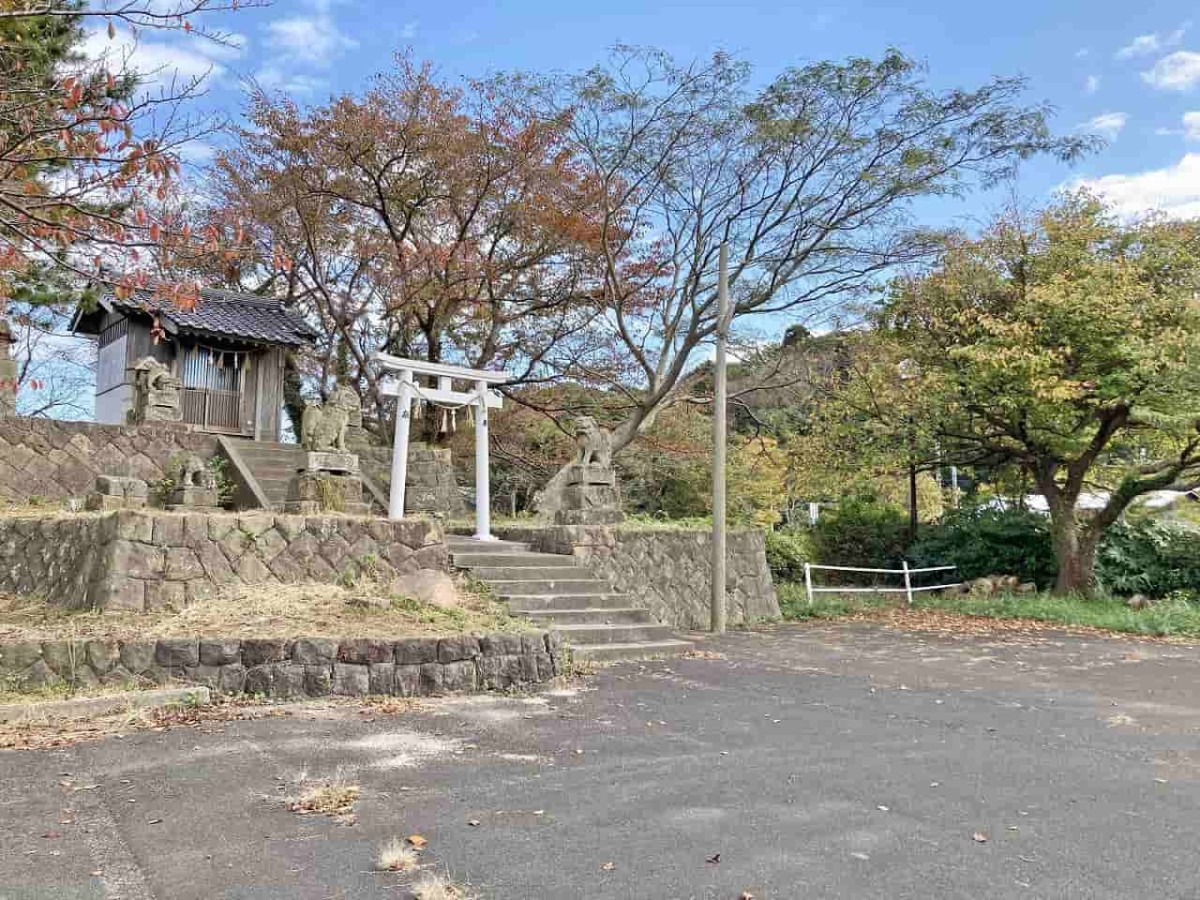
480, 396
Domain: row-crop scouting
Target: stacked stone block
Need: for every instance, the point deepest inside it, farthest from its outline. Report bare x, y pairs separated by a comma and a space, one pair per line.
133, 560
294, 668
667, 572
51, 460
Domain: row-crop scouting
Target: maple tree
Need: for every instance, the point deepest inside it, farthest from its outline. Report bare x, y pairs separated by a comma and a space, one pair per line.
87, 158
425, 219
1068, 347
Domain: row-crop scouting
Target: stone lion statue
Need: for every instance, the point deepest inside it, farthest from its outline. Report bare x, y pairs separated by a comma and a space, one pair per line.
154, 375
194, 473
594, 442
323, 427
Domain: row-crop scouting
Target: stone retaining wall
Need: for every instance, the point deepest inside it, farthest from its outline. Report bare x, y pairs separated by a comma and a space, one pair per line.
302, 667
44, 459
668, 572
144, 560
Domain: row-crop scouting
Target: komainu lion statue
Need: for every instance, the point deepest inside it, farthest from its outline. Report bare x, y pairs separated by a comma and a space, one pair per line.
594, 443
323, 427
194, 473
156, 376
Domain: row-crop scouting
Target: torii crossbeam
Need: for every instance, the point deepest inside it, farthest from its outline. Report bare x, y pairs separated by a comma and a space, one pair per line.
480, 396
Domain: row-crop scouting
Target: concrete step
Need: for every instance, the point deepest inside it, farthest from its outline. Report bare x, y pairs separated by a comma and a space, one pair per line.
636, 650
618, 615
473, 559
538, 602
528, 573
614, 634
561, 586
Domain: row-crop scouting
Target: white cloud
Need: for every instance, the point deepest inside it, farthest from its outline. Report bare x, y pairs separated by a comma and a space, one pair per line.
1178, 72
157, 62
1147, 44
1082, 52
1107, 125
1191, 126
197, 152
1174, 190
409, 30
273, 78
1142, 45
1092, 84
313, 39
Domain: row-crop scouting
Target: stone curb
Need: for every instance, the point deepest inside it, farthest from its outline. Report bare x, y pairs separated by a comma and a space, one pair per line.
295, 667
89, 707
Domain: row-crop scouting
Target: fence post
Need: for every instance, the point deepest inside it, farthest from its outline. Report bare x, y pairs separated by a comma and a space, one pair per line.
808, 582
907, 582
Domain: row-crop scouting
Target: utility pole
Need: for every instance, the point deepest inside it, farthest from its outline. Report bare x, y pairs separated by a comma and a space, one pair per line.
719, 437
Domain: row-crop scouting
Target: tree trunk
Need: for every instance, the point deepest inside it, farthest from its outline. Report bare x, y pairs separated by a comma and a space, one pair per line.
1075, 550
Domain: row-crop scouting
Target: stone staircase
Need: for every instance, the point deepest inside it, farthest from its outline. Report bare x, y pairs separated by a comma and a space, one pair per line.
265, 469
553, 590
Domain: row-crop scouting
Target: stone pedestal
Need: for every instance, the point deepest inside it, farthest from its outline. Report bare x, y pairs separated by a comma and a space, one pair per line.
191, 496
590, 496
329, 482
311, 493
332, 462
117, 492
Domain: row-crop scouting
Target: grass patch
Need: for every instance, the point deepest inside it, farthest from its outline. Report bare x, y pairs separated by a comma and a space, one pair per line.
397, 856
1171, 617
334, 797
438, 887
301, 610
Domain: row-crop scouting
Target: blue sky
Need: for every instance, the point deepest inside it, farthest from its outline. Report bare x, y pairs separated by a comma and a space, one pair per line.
1128, 71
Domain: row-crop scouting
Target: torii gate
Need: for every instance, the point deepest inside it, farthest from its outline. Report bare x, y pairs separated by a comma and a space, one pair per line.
480, 396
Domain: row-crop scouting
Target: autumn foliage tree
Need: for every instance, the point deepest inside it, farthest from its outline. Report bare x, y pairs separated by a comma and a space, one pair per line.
87, 158
447, 222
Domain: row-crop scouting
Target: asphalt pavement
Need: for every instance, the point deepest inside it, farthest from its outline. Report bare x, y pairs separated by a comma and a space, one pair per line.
839, 761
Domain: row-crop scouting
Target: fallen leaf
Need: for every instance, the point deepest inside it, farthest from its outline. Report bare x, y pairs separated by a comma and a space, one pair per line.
608, 867
883, 808
473, 822
417, 841
745, 895
714, 859
979, 837
51, 834
862, 856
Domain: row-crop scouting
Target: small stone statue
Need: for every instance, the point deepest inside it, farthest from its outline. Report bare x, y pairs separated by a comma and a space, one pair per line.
594, 443
195, 486
156, 392
323, 427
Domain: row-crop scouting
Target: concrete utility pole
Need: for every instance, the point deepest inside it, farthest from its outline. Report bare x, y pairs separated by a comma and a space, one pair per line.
719, 437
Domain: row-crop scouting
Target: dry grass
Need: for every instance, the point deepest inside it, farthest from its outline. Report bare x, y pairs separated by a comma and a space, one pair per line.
438, 887
334, 797
397, 856
304, 610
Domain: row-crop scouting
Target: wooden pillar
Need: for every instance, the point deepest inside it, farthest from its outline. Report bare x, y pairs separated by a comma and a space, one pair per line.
400, 448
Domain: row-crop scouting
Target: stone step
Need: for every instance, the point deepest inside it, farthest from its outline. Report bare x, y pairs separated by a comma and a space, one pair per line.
635, 650
617, 615
471, 545
614, 634
528, 573
557, 587
472, 559
537, 602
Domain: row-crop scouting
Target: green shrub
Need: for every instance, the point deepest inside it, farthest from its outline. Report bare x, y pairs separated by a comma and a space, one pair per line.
982, 541
787, 552
861, 531
1149, 557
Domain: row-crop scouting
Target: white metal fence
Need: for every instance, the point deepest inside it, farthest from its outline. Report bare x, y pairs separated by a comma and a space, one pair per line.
908, 590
